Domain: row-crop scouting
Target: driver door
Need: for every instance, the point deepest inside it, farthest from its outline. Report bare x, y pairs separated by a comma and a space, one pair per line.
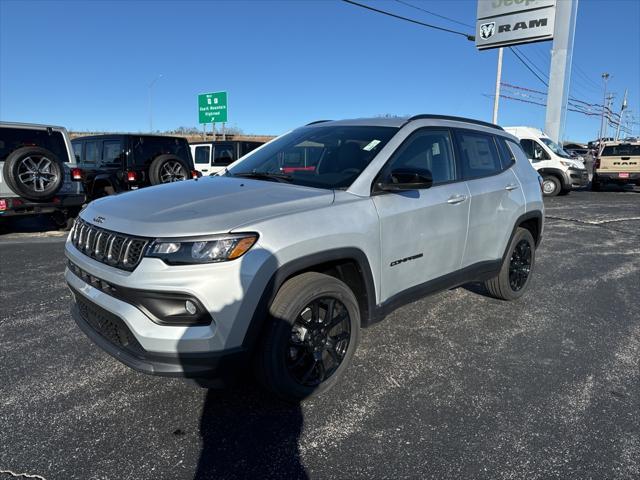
423, 232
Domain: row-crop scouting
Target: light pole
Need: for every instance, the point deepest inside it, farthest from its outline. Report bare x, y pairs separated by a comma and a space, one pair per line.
605, 77
151, 102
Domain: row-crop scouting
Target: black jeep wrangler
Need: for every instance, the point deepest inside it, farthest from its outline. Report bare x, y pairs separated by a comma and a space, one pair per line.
120, 162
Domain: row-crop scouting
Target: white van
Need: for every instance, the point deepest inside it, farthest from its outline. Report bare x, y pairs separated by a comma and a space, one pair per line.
560, 172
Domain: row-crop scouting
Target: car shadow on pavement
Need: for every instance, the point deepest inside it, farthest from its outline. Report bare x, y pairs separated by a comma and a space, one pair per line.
247, 434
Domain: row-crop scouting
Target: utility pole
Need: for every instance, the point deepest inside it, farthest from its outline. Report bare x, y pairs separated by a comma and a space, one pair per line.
496, 100
605, 78
622, 109
608, 116
151, 102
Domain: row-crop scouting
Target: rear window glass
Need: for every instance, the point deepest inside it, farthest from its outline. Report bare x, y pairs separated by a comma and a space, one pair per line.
146, 148
14, 138
202, 155
479, 155
621, 151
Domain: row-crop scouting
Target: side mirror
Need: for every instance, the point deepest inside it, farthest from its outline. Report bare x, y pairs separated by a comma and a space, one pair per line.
403, 179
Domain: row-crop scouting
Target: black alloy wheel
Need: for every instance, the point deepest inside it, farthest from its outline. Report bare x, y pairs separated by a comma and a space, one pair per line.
520, 265
319, 341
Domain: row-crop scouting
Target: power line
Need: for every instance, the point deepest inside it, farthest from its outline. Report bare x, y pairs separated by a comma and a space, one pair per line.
532, 64
528, 67
435, 14
406, 19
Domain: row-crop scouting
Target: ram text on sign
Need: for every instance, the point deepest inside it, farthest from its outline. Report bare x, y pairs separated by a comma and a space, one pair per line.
516, 28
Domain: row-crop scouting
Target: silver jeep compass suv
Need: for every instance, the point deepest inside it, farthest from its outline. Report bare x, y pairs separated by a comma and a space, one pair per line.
282, 259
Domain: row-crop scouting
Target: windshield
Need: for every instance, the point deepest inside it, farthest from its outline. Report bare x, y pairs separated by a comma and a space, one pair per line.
330, 156
621, 150
555, 148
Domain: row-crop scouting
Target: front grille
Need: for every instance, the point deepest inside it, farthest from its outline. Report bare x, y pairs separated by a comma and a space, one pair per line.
108, 325
111, 248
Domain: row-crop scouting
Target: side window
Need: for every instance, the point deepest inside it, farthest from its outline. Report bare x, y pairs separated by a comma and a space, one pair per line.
534, 150
517, 150
506, 156
91, 152
77, 151
112, 151
202, 155
223, 155
478, 154
430, 150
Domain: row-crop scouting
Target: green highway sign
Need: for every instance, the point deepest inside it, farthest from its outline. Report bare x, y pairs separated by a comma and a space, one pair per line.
212, 107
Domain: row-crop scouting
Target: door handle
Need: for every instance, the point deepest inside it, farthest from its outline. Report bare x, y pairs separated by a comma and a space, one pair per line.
511, 186
454, 199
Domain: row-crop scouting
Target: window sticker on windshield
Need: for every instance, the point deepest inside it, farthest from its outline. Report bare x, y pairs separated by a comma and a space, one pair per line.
372, 144
435, 149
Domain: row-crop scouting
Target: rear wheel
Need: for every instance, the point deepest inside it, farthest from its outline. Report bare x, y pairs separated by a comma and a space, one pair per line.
313, 333
595, 184
551, 186
515, 273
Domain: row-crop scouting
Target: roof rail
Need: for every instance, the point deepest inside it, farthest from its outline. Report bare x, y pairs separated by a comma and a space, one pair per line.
317, 121
456, 119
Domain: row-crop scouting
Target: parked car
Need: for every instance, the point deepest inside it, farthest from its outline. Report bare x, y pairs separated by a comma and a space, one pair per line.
617, 162
560, 173
281, 270
212, 157
37, 167
121, 162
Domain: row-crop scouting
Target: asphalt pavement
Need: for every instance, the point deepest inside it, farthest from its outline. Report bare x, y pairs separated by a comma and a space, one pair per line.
458, 385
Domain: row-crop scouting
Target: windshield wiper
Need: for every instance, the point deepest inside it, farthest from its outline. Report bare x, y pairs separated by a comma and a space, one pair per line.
280, 177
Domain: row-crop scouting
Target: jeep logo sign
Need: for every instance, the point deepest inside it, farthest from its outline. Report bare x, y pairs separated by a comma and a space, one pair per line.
511, 22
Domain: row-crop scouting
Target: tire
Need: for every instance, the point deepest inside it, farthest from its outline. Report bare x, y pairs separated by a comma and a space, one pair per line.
167, 169
289, 351
34, 173
564, 191
551, 186
595, 184
501, 285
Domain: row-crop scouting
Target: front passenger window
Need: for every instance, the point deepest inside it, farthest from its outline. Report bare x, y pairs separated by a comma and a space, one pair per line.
427, 150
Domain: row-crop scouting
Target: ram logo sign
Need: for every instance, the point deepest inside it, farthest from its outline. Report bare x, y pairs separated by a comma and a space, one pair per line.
487, 29
511, 22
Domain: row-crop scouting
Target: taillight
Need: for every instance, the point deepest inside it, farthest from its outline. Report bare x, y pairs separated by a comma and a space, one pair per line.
76, 173
3, 205
132, 176
16, 202
56, 200
195, 174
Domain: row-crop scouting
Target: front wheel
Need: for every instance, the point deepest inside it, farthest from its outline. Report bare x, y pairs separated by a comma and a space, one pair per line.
313, 333
550, 186
515, 273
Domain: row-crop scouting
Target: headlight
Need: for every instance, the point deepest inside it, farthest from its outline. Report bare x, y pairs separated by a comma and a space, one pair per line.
571, 165
218, 248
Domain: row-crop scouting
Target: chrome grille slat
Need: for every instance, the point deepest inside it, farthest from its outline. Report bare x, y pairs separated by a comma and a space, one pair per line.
115, 249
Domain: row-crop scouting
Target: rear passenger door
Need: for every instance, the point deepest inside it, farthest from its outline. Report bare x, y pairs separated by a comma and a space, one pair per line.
422, 232
496, 194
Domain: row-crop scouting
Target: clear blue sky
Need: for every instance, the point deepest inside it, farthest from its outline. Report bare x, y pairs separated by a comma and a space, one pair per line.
87, 65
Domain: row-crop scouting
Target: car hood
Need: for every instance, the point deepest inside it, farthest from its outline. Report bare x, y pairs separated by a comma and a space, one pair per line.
200, 207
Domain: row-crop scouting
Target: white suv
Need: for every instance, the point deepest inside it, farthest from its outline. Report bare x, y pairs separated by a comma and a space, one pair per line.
281, 270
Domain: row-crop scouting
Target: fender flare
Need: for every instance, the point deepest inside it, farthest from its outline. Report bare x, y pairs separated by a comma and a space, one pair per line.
565, 183
306, 263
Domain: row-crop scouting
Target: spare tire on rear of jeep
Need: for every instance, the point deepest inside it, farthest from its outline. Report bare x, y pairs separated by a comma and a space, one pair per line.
34, 173
168, 168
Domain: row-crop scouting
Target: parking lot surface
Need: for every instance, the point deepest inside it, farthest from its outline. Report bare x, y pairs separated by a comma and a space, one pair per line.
458, 385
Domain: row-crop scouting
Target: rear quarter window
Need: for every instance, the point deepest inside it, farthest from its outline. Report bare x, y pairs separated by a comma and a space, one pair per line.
13, 138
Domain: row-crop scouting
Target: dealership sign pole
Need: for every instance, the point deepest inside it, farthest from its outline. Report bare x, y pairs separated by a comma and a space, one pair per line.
502, 23
212, 108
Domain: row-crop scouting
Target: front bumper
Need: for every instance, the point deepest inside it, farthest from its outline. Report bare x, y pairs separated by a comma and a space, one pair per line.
20, 206
112, 334
576, 178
